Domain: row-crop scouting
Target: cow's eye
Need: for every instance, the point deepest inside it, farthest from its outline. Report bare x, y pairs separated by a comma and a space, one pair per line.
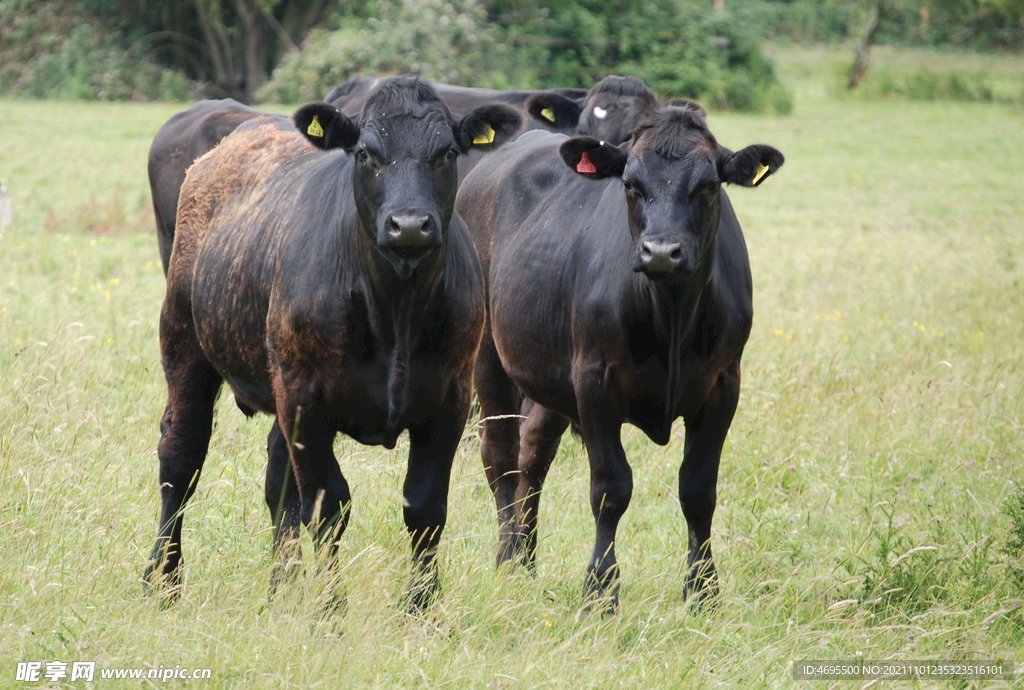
451, 155
710, 189
631, 189
362, 156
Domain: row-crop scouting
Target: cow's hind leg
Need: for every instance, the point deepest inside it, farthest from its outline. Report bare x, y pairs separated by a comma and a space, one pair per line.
192, 387
425, 492
698, 478
499, 442
282, 497
540, 435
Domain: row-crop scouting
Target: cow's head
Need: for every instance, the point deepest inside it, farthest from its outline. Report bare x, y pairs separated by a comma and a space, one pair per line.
405, 145
672, 170
610, 110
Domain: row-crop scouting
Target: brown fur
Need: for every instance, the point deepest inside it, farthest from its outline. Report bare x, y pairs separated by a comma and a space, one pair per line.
280, 286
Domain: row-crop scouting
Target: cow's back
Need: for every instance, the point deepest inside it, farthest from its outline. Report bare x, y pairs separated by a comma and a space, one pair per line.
232, 217
551, 245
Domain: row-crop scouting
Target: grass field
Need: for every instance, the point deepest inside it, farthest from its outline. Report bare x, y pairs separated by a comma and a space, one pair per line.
878, 435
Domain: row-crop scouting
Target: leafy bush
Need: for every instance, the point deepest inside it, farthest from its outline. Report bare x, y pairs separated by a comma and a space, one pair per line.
48, 51
799, 21
678, 49
966, 24
448, 41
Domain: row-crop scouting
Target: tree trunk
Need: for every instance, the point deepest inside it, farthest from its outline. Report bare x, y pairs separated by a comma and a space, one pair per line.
243, 37
861, 51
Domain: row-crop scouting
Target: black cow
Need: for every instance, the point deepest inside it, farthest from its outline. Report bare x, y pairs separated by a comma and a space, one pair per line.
336, 289
351, 94
609, 111
619, 291
190, 134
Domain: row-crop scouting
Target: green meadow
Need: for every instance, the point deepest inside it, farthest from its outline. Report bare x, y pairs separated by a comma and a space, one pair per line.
879, 435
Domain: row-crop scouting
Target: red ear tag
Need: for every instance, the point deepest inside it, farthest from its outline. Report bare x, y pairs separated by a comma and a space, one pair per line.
585, 165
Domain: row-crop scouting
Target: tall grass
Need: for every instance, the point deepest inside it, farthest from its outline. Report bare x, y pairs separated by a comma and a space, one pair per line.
879, 434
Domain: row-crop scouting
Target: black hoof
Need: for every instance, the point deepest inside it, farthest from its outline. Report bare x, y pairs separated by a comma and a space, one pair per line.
601, 595
701, 588
165, 586
424, 588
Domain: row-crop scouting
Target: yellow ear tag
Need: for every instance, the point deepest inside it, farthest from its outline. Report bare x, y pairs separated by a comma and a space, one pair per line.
314, 129
486, 138
761, 170
548, 114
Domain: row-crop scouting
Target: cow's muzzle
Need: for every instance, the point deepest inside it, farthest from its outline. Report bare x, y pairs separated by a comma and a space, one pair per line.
660, 258
409, 237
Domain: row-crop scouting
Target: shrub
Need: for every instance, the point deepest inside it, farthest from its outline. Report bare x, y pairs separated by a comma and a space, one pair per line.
448, 41
679, 50
48, 51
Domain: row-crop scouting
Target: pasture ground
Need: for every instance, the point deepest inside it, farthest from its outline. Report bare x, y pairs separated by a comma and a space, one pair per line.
878, 435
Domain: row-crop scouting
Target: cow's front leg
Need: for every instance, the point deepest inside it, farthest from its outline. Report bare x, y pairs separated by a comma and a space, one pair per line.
698, 478
432, 449
611, 484
324, 497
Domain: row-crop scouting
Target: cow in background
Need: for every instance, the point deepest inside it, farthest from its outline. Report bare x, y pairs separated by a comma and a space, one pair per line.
182, 140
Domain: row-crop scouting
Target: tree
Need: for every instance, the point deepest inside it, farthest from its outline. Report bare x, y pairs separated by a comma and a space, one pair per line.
245, 38
861, 50
229, 46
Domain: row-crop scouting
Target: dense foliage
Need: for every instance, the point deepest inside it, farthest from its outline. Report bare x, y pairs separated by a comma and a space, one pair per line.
120, 49
177, 49
678, 49
50, 50
965, 24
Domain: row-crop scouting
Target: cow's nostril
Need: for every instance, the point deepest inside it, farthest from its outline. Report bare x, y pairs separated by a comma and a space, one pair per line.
660, 257
409, 229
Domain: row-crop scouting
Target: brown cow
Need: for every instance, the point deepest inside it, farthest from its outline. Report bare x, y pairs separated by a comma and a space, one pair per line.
335, 287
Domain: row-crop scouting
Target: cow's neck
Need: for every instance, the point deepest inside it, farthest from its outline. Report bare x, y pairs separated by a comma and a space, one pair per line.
674, 307
399, 309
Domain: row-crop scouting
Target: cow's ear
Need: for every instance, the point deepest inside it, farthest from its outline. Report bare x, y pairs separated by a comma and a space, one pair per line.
555, 110
592, 158
325, 127
688, 105
487, 127
750, 166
